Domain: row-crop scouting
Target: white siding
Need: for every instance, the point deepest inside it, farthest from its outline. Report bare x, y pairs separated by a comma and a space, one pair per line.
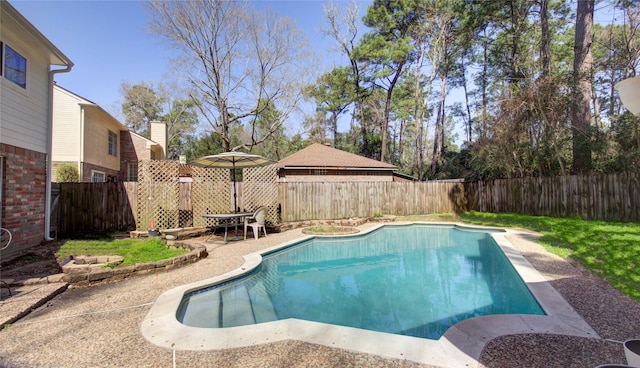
97, 127
66, 126
23, 112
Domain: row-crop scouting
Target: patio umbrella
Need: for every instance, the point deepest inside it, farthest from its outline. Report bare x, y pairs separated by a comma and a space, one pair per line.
232, 160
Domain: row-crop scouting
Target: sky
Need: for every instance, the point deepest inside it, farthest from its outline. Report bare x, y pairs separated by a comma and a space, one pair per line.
107, 41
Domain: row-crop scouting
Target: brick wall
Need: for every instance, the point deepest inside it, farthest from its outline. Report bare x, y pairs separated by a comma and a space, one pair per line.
23, 197
133, 149
87, 168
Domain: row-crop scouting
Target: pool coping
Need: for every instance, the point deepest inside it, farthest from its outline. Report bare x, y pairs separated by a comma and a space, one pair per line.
461, 345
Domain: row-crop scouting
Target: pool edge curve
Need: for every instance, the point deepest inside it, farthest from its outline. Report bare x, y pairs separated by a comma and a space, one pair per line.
461, 345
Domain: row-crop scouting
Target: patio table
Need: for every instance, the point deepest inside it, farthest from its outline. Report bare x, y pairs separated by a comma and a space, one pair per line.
227, 220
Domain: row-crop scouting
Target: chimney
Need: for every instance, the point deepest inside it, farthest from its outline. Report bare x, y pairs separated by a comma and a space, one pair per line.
159, 135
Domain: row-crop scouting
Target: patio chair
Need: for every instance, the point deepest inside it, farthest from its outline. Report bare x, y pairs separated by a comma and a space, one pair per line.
256, 221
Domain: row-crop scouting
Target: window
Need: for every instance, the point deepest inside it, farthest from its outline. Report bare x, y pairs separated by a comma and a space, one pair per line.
113, 144
14, 66
97, 176
132, 174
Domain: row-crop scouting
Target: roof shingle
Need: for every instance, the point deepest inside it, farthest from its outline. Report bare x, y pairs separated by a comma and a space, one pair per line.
318, 155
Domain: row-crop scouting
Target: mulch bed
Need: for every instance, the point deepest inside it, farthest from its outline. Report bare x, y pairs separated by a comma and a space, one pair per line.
39, 261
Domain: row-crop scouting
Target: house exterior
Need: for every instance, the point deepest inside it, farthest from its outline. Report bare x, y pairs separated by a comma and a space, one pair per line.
136, 148
28, 65
99, 145
85, 135
320, 163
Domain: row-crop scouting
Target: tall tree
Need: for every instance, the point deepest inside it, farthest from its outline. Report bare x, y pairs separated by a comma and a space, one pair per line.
333, 93
239, 61
342, 26
582, 74
388, 47
145, 102
316, 127
440, 30
268, 133
181, 121
142, 105
201, 146
545, 38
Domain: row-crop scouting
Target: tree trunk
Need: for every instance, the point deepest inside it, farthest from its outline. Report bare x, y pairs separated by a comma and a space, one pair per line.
420, 151
485, 102
582, 70
438, 140
466, 100
545, 53
418, 114
334, 127
387, 111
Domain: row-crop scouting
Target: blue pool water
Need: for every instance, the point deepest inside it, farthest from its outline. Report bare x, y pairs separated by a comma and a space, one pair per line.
415, 280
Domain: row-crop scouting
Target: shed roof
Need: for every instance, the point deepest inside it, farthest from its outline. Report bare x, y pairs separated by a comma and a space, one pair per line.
319, 155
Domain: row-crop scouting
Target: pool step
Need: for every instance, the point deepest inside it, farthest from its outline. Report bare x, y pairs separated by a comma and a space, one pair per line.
236, 307
263, 310
202, 310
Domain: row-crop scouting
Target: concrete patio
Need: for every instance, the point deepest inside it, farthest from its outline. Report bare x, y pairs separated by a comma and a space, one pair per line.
100, 326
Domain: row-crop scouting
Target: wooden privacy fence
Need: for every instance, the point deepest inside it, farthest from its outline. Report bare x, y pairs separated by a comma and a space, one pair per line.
612, 197
93, 207
340, 200
113, 206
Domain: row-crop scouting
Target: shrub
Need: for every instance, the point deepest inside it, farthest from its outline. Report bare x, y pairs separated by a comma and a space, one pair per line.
67, 173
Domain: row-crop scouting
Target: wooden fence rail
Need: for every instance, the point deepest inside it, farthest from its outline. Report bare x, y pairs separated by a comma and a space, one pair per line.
330, 200
97, 207
612, 197
615, 197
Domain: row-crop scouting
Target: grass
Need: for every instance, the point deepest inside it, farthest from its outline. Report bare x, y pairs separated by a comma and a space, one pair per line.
132, 250
611, 250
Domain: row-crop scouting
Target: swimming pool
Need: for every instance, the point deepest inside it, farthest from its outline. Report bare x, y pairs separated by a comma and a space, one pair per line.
415, 280
460, 346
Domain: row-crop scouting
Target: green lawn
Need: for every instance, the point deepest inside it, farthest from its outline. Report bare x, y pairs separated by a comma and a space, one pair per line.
611, 250
132, 250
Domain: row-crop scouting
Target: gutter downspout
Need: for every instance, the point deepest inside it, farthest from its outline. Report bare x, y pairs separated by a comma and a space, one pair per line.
47, 194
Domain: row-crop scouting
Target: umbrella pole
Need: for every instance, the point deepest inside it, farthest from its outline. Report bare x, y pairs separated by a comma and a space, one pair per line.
235, 195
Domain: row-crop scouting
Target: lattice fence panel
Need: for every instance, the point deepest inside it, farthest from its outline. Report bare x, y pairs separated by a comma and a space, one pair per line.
158, 194
210, 193
260, 188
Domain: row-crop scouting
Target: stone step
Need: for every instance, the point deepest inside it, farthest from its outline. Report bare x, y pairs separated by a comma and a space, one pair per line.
236, 307
202, 310
263, 310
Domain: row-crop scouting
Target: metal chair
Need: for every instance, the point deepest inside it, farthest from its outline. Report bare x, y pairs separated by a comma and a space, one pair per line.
258, 222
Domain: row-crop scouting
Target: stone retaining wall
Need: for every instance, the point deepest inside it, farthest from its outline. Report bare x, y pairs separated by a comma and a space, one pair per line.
87, 273
352, 222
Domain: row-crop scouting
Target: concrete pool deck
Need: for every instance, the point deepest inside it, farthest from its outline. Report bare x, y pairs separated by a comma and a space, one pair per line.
100, 326
460, 346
